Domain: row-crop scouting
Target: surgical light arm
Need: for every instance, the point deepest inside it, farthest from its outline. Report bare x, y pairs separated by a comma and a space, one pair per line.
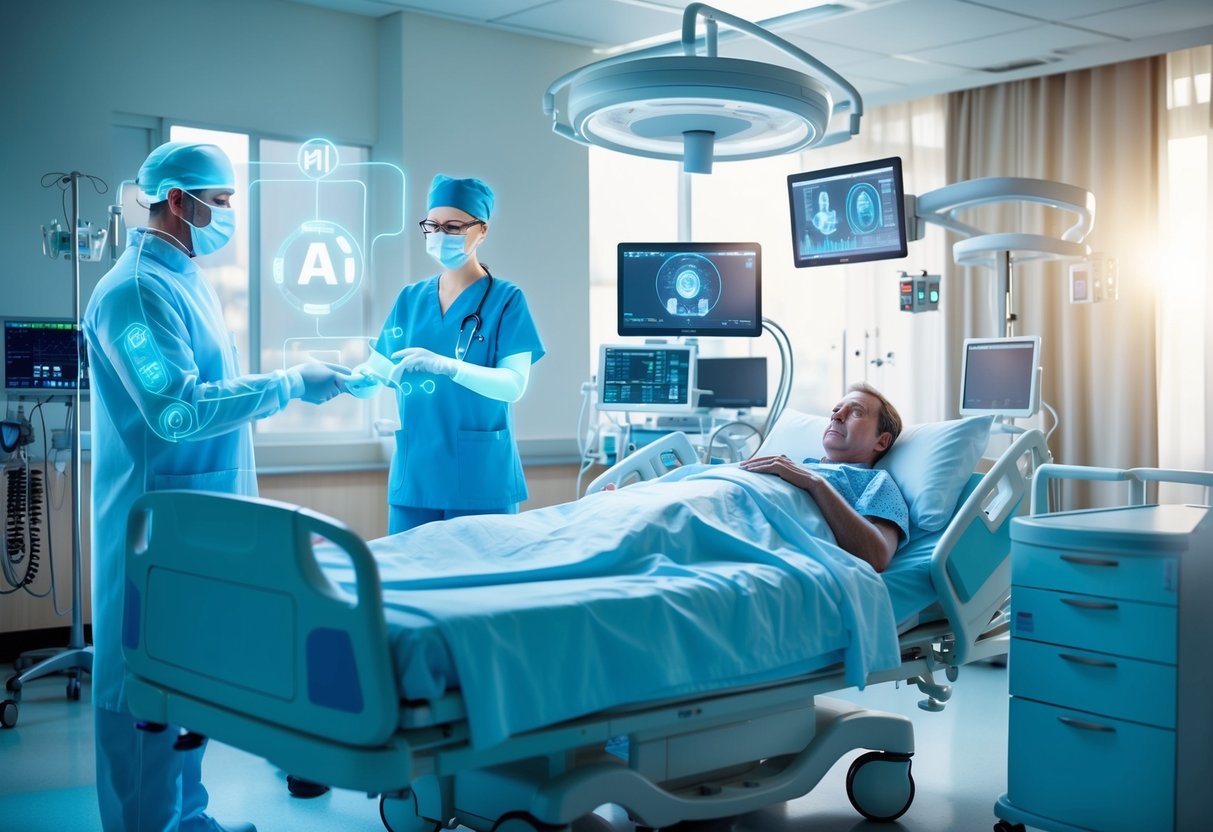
1000, 250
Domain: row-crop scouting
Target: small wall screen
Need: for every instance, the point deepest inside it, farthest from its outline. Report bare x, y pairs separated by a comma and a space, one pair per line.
646, 377
40, 356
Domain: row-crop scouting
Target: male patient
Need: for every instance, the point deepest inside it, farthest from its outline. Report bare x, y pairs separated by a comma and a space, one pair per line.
862, 505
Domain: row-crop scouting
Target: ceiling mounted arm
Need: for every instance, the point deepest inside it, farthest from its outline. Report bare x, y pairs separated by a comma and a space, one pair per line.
698, 108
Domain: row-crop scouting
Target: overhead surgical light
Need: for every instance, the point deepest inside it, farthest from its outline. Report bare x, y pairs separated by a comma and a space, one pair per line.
700, 108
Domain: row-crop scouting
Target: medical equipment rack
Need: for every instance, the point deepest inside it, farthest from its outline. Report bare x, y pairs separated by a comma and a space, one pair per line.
1109, 716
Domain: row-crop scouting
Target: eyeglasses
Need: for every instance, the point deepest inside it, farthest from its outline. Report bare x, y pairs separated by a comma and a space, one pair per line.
452, 227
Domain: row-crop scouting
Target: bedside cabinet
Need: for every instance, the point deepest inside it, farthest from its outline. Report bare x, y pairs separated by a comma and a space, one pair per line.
1111, 675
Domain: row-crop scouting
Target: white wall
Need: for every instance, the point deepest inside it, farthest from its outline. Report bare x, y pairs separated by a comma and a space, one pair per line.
472, 107
429, 95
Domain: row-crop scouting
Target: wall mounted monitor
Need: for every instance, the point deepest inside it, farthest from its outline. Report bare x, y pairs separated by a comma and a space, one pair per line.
733, 382
848, 214
1000, 376
41, 358
675, 289
655, 377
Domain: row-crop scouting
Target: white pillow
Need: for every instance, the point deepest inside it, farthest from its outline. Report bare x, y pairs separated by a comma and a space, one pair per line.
930, 463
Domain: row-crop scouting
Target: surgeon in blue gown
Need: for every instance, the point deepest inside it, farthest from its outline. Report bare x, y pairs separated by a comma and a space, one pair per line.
457, 349
171, 409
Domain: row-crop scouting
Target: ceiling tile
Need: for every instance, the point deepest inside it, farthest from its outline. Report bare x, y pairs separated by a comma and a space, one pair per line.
1152, 19
600, 22
1045, 41
832, 56
467, 9
1063, 9
901, 71
913, 26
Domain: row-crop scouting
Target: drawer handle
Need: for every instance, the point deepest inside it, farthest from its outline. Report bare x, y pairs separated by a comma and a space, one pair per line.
1086, 726
1087, 660
1090, 605
1089, 561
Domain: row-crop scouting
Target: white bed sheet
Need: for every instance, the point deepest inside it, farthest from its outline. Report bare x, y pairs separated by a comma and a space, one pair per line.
737, 581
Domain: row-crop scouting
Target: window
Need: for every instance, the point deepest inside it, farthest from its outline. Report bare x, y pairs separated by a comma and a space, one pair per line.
294, 282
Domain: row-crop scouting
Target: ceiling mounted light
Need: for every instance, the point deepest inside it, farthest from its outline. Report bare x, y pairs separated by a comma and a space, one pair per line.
700, 108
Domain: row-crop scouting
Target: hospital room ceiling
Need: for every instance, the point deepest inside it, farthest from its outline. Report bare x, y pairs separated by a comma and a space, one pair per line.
891, 50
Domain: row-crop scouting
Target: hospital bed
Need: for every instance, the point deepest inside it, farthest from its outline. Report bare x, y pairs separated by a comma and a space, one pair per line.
233, 631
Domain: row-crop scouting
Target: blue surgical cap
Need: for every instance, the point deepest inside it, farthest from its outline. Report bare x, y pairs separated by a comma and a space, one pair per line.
468, 195
185, 165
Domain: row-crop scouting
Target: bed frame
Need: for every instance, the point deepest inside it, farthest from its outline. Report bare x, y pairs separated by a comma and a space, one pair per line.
314, 692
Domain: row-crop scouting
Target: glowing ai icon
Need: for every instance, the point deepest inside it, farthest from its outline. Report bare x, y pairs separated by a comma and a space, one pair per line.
318, 267
317, 158
863, 208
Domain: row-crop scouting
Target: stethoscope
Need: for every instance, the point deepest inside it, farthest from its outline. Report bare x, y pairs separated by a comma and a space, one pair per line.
461, 347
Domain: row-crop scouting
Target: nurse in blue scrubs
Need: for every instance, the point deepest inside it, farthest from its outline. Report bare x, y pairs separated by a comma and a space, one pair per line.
457, 349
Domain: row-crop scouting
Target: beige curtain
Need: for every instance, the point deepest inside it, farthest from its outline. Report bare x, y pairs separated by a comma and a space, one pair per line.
1185, 306
1096, 129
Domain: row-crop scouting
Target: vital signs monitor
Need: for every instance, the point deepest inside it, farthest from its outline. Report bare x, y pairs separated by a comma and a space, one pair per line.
1000, 376
41, 356
653, 377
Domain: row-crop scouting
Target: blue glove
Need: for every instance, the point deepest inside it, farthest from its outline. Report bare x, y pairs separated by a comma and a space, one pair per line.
322, 382
421, 360
369, 376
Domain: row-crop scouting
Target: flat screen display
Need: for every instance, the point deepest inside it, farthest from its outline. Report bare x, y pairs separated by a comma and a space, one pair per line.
733, 382
659, 377
40, 356
675, 289
1000, 377
848, 214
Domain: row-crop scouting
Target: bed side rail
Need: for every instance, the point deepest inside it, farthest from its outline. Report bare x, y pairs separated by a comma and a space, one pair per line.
1136, 479
970, 567
648, 462
226, 604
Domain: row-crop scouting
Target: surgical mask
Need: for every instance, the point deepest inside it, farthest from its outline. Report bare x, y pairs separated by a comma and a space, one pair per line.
447, 249
210, 238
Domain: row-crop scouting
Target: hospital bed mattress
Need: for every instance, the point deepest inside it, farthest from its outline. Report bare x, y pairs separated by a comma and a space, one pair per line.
521, 602
425, 668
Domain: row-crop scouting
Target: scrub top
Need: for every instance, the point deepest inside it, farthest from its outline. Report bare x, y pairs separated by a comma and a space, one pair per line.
455, 448
170, 410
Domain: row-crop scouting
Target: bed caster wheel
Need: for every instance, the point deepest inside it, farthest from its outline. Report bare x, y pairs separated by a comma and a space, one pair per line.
522, 822
592, 823
880, 786
1003, 826
8, 714
188, 741
73, 689
400, 815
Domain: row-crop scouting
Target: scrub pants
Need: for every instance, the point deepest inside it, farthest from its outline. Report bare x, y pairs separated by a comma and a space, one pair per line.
403, 518
143, 785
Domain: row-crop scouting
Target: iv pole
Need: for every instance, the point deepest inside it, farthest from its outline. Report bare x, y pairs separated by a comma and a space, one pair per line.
77, 656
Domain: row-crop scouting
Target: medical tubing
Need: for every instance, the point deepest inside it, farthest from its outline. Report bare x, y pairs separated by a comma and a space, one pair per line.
22, 534
786, 370
50, 549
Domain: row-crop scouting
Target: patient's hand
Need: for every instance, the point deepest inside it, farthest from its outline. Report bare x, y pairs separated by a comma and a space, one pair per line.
783, 468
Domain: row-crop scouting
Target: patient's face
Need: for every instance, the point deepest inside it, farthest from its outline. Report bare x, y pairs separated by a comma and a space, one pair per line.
852, 435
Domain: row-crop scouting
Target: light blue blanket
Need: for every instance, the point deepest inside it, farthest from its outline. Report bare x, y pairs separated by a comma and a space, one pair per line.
705, 579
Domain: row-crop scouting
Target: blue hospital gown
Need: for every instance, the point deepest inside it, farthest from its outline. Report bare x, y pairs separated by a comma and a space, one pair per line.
870, 491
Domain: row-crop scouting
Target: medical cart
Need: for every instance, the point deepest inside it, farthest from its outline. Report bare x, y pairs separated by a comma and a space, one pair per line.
1110, 674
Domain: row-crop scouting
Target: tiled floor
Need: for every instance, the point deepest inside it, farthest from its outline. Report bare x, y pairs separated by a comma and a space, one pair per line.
46, 772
